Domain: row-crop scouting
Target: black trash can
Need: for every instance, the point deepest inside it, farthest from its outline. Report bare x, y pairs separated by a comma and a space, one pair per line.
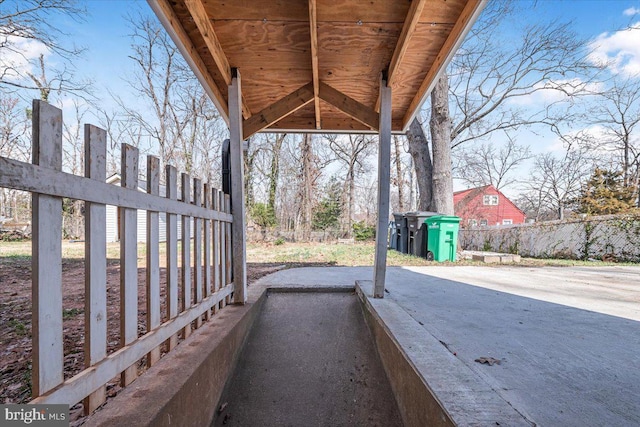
402, 233
417, 232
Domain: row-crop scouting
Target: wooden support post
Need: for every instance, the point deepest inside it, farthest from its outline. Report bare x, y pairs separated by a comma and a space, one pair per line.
207, 248
186, 252
237, 189
153, 257
171, 182
95, 264
197, 247
129, 260
384, 177
46, 258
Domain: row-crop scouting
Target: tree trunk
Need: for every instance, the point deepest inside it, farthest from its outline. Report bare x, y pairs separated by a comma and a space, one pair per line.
274, 170
419, 150
400, 181
440, 125
307, 187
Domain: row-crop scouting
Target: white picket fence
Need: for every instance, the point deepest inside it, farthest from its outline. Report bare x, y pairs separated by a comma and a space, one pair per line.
202, 289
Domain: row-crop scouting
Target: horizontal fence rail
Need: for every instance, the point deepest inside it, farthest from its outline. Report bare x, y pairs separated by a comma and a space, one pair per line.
191, 296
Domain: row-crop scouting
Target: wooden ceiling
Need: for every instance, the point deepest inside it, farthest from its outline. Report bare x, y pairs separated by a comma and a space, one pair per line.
315, 65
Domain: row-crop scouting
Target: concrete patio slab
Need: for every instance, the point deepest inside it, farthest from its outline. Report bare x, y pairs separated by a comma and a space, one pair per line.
568, 338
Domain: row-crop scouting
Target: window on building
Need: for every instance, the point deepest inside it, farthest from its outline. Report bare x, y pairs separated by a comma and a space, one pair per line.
507, 221
473, 222
484, 222
490, 199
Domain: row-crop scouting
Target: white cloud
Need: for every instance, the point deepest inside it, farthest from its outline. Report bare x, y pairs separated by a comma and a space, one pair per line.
619, 51
631, 11
19, 56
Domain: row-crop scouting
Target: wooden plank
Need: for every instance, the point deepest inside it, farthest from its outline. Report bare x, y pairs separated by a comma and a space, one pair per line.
37, 179
231, 265
313, 32
462, 26
215, 203
171, 23
95, 263
201, 19
348, 105
153, 257
384, 179
409, 27
224, 278
197, 246
129, 260
277, 110
171, 183
46, 291
77, 388
187, 286
237, 189
208, 283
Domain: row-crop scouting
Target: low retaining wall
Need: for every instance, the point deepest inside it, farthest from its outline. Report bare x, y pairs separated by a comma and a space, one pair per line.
612, 238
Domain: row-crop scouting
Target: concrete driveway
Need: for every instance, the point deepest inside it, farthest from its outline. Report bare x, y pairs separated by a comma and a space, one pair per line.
568, 337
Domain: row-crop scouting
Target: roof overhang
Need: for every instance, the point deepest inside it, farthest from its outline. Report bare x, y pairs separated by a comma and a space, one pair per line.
315, 65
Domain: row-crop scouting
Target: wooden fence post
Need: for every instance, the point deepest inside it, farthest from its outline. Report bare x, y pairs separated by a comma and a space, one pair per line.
95, 264
197, 246
47, 255
129, 260
186, 252
229, 259
215, 205
172, 251
207, 248
223, 248
153, 256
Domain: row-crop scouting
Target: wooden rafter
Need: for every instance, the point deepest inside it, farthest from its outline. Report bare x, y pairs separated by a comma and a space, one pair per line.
348, 105
470, 11
408, 29
191, 51
202, 21
313, 30
278, 110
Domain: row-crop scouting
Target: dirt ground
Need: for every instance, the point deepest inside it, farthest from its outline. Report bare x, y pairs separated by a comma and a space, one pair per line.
15, 321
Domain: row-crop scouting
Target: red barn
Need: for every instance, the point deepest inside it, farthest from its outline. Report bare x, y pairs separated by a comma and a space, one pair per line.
485, 206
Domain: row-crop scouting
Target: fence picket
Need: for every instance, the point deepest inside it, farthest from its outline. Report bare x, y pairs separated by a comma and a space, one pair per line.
129, 260
223, 248
47, 255
186, 252
228, 243
197, 246
153, 257
207, 248
95, 264
215, 203
171, 183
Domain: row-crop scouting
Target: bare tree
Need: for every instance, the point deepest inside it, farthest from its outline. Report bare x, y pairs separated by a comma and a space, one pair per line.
440, 125
555, 181
490, 77
421, 155
28, 23
398, 180
485, 164
351, 151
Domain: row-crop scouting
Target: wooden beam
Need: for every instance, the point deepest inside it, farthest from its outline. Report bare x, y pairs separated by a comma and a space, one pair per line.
313, 31
384, 179
171, 23
238, 237
462, 26
202, 21
408, 29
348, 105
278, 110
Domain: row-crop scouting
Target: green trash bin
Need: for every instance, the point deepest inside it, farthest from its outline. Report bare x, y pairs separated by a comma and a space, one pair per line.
442, 237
